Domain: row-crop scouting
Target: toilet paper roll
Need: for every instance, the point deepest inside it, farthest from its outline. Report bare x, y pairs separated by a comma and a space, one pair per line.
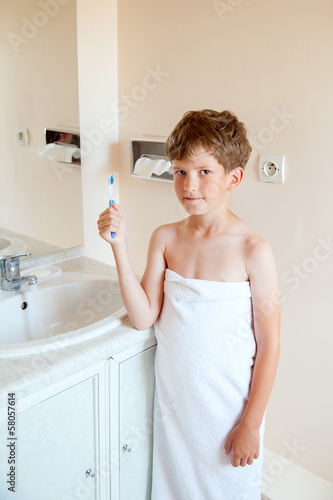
60, 152
145, 167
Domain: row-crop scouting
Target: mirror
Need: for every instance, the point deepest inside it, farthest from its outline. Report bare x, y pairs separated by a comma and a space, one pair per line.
40, 203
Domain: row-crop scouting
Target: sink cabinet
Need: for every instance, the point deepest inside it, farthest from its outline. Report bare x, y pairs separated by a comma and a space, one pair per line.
131, 419
88, 436
60, 434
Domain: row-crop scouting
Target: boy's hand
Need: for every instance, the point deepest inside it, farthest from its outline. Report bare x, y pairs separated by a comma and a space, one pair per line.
112, 220
245, 443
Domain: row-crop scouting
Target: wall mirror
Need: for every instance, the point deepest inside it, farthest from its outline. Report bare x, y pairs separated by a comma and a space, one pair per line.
40, 203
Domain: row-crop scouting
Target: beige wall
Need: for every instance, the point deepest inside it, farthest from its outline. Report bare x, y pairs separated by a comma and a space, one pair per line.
38, 88
98, 85
258, 59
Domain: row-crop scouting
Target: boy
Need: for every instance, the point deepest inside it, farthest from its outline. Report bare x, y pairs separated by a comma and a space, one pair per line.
209, 288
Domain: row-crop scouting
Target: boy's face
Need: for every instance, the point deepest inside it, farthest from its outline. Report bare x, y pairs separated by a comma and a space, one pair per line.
201, 183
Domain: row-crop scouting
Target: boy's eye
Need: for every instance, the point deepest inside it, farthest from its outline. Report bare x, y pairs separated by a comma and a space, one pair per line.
180, 172
205, 172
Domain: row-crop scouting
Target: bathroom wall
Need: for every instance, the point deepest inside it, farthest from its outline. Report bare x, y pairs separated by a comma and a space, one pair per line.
269, 62
98, 87
38, 88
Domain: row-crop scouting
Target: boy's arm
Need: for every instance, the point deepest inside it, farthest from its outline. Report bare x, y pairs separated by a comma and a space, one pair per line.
244, 438
143, 301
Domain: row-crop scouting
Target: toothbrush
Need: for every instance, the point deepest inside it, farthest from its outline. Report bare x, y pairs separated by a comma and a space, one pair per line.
111, 201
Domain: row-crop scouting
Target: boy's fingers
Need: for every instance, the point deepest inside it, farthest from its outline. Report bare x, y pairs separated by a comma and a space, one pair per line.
228, 446
115, 208
108, 217
235, 462
103, 221
105, 212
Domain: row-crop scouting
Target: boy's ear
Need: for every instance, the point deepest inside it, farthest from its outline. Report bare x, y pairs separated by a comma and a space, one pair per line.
236, 176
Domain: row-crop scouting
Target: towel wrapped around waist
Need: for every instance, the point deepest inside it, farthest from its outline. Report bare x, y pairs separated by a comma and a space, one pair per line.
203, 367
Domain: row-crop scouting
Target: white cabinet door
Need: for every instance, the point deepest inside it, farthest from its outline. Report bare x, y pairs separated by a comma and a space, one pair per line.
134, 379
57, 442
136, 425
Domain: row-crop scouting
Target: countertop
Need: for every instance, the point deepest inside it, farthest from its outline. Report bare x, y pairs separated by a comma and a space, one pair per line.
29, 373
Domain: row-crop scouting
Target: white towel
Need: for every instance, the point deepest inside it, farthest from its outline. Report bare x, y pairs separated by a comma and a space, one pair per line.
146, 167
203, 367
60, 152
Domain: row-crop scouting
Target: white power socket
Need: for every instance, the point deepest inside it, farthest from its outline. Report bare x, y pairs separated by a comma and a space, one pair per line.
271, 168
22, 136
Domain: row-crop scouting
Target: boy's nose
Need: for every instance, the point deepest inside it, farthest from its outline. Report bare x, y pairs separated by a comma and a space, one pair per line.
191, 183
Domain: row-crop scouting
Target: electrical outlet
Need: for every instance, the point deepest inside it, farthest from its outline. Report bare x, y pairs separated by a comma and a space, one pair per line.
22, 136
271, 168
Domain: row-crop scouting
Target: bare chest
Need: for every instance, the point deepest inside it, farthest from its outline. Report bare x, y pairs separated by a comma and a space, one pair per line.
212, 259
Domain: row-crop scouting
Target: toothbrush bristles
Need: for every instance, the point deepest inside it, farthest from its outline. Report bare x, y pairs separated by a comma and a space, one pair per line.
111, 179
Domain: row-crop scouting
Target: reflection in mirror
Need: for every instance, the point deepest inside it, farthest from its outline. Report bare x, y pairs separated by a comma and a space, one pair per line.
40, 203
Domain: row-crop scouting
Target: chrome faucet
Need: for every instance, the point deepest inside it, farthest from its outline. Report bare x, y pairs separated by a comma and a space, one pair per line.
11, 279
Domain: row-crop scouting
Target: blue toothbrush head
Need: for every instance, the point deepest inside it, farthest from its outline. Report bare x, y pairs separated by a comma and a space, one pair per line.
111, 179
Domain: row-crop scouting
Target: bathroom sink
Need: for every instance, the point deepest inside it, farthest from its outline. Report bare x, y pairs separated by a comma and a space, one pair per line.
71, 309
12, 245
4, 243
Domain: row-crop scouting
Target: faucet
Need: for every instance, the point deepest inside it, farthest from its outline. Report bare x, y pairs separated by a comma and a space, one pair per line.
11, 279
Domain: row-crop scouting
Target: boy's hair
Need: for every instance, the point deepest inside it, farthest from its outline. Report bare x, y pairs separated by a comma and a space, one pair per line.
219, 133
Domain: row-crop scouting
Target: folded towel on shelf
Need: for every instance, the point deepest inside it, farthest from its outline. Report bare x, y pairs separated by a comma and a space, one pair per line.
146, 167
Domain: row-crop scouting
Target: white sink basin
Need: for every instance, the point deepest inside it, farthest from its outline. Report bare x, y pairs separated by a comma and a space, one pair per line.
73, 308
4, 243
12, 245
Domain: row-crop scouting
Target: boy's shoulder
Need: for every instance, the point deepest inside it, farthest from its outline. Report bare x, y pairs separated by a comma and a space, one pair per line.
260, 265
168, 229
164, 233
254, 245
258, 255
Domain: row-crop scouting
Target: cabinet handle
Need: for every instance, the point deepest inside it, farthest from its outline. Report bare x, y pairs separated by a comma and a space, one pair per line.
90, 473
126, 448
